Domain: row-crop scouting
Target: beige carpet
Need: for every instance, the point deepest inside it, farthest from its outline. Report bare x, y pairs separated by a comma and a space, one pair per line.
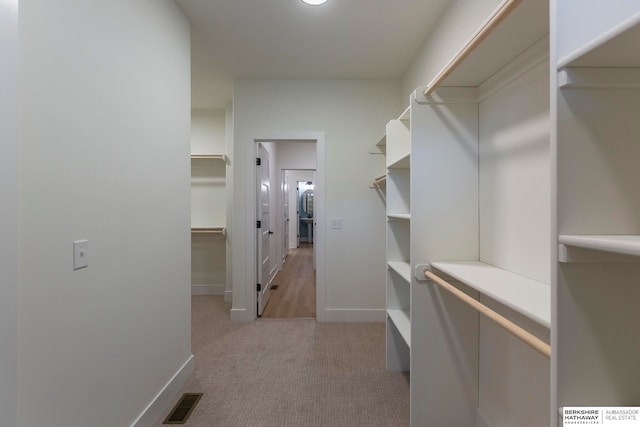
291, 372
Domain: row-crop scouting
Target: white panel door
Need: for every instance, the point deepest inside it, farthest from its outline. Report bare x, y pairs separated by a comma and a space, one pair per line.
285, 210
263, 232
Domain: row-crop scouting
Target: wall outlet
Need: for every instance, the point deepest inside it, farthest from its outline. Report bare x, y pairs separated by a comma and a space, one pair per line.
336, 223
80, 254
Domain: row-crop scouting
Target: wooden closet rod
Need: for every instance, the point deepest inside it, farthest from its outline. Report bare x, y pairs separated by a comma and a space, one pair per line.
380, 179
531, 340
494, 20
222, 231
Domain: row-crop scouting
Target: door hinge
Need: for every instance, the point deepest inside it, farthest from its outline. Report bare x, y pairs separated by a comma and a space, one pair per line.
258, 224
258, 161
258, 287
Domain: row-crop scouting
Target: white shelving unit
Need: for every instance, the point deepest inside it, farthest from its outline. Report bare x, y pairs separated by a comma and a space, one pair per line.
597, 98
398, 144
208, 223
208, 186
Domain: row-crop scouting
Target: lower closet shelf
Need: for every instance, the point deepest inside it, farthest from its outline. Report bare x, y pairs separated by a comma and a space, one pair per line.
402, 268
526, 296
402, 322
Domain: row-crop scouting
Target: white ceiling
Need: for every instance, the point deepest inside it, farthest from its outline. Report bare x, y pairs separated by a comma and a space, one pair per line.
286, 39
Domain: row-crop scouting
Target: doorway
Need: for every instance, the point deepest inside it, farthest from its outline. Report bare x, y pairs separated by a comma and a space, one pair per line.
287, 208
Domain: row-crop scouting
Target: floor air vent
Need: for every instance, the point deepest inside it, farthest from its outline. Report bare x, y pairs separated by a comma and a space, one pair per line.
180, 413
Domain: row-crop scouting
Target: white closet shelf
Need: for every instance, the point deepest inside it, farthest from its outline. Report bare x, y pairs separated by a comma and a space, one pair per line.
402, 321
496, 44
403, 162
526, 296
402, 268
616, 48
380, 147
618, 244
399, 215
222, 157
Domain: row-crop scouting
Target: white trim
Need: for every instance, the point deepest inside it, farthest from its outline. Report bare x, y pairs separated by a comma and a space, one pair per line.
208, 289
354, 315
159, 404
242, 315
228, 296
248, 313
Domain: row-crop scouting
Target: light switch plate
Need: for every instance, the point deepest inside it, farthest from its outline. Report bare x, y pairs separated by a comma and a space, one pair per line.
336, 223
80, 254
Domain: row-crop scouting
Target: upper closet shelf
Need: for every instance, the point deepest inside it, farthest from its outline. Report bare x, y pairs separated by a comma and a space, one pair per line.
617, 244
616, 48
528, 297
222, 157
514, 27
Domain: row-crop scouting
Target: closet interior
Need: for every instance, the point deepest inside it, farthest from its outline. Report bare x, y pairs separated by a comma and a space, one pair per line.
510, 187
208, 202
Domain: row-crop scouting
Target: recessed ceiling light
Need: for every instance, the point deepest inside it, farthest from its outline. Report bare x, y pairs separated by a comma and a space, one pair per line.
315, 2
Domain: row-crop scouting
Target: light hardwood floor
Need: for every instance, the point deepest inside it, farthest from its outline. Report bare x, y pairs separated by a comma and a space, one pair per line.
296, 292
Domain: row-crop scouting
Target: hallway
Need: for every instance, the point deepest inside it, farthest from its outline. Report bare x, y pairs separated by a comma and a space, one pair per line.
295, 295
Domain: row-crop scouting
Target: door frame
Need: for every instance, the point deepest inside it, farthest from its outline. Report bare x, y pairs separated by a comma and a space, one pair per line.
250, 186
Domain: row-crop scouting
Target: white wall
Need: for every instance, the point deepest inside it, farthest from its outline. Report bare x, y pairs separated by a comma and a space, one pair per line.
352, 115
9, 211
208, 131
458, 23
297, 155
105, 137
208, 202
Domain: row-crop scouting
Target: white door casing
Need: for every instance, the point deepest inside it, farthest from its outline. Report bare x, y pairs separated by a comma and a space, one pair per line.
263, 232
245, 255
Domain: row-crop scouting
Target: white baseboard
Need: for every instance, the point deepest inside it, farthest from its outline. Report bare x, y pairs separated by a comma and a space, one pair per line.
160, 403
354, 315
228, 296
208, 289
241, 315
